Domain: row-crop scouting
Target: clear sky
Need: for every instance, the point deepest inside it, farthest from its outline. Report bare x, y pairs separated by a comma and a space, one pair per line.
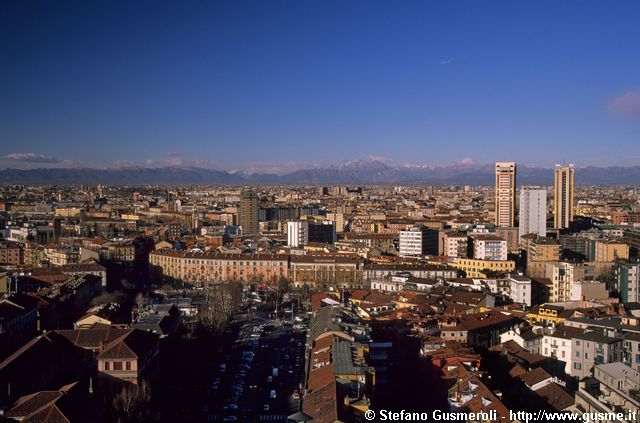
278, 84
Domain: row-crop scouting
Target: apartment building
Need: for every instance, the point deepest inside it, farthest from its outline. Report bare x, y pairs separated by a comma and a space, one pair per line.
557, 343
520, 289
591, 348
610, 250
204, 268
628, 280
489, 247
455, 244
564, 274
418, 242
533, 212
476, 268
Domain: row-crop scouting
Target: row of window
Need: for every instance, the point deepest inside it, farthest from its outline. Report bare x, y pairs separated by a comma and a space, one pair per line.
117, 365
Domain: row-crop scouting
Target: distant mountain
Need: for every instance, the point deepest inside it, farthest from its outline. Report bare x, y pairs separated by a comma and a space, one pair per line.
361, 172
122, 176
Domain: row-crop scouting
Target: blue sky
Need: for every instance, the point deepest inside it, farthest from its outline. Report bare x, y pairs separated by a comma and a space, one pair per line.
280, 84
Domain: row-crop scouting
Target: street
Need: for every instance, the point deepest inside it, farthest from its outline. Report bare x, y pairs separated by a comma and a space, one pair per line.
260, 376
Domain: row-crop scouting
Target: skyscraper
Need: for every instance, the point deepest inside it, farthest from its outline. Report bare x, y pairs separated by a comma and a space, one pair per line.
533, 212
505, 203
563, 196
249, 212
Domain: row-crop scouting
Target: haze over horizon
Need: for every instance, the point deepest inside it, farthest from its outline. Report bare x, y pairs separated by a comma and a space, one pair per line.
280, 86
262, 168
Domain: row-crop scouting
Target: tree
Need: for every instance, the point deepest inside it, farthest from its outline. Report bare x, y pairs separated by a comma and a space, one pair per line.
608, 276
132, 404
222, 300
140, 301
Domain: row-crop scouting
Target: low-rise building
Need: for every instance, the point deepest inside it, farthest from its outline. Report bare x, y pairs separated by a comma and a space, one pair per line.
591, 348
129, 356
489, 247
455, 245
614, 388
556, 344
520, 289
475, 268
528, 337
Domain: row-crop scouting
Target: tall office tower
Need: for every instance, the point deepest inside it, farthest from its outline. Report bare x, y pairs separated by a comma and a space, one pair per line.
533, 212
563, 196
505, 193
249, 212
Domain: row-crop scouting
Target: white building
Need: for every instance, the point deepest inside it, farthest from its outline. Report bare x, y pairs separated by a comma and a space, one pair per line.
394, 284
411, 242
556, 343
297, 234
455, 245
533, 212
520, 289
489, 247
500, 286
529, 338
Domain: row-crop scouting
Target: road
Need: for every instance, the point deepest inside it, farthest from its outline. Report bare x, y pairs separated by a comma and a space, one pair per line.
261, 371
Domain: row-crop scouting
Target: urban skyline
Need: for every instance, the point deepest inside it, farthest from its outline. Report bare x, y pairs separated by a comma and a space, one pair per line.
294, 211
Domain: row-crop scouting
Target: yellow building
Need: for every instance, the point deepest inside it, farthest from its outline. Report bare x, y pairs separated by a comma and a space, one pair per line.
563, 196
544, 249
547, 313
608, 251
475, 268
68, 212
541, 251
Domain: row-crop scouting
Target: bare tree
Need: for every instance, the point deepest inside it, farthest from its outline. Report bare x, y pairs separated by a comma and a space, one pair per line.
132, 403
222, 300
140, 301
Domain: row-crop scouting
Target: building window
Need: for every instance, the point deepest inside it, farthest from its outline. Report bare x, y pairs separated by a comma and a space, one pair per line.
107, 365
577, 366
128, 365
117, 365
